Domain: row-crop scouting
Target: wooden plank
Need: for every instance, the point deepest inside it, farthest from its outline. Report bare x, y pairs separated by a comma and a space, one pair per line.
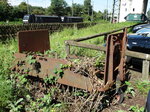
145, 70
102, 48
84, 45
138, 55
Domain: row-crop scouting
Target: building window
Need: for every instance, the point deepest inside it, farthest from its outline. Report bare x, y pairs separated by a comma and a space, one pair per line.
133, 9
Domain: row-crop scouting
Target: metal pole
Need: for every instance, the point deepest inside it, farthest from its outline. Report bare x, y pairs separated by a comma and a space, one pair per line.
28, 10
107, 11
119, 10
113, 11
92, 9
72, 8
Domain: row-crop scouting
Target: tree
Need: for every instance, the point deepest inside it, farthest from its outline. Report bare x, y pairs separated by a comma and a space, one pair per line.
16, 13
78, 9
23, 7
6, 1
97, 16
38, 10
105, 14
57, 7
87, 7
5, 10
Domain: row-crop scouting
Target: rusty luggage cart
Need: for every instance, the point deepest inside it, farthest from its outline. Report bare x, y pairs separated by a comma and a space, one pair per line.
38, 41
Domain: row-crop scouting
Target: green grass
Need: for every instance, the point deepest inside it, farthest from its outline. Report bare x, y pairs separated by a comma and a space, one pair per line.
143, 87
10, 22
6, 60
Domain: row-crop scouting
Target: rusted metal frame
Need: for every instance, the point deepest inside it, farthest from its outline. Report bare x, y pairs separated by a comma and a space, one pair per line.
46, 69
121, 68
43, 68
108, 71
115, 57
109, 68
67, 81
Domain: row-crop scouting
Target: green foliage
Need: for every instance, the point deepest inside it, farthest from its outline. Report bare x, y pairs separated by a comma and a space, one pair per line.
105, 14
5, 11
78, 9
136, 109
22, 78
59, 71
50, 79
30, 59
6, 89
57, 7
6, 86
45, 103
80, 93
143, 86
37, 10
16, 106
58, 38
98, 62
87, 7
6, 56
59, 74
130, 90
120, 111
18, 21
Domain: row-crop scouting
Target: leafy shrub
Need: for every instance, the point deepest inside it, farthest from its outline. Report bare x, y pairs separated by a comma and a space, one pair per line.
5, 92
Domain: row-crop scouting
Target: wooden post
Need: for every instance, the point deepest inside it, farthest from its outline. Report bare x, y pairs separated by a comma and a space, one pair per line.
145, 70
75, 26
67, 48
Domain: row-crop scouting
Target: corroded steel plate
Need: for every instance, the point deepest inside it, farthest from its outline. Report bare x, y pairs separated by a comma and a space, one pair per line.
33, 41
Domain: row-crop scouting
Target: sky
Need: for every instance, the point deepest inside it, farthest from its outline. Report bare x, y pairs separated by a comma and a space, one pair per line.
99, 5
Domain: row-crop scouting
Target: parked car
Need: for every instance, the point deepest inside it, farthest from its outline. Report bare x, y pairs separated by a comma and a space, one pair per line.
139, 42
138, 27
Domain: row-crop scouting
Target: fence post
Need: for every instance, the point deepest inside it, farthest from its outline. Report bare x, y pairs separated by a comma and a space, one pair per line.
145, 70
75, 26
67, 48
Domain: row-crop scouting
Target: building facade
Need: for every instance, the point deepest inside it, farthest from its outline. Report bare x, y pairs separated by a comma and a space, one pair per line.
131, 6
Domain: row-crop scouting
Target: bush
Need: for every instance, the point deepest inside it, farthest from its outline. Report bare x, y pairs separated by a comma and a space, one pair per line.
5, 92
